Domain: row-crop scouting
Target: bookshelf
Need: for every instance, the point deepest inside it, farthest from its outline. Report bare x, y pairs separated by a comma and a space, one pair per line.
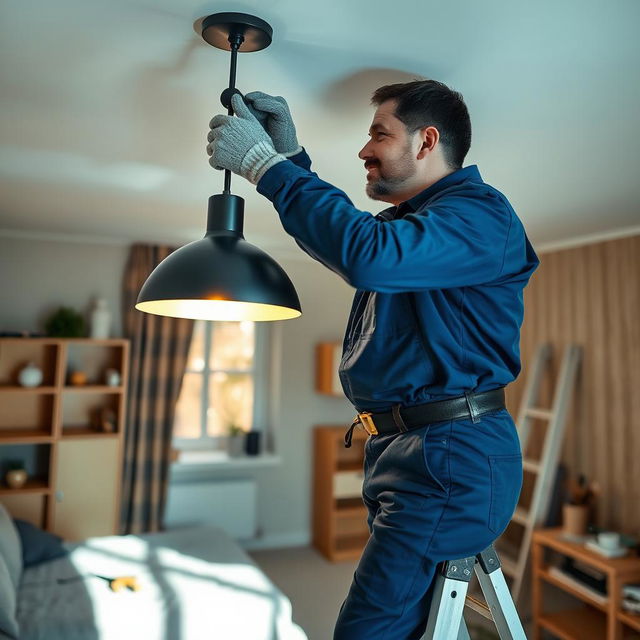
69, 436
595, 616
339, 516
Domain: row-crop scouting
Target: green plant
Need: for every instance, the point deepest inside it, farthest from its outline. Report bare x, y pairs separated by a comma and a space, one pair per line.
13, 465
234, 430
65, 323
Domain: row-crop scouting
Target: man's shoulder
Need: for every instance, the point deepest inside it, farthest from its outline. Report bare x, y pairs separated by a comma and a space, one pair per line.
469, 192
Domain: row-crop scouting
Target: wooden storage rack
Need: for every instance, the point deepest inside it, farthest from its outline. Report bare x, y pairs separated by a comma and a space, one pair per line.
41, 424
591, 620
339, 515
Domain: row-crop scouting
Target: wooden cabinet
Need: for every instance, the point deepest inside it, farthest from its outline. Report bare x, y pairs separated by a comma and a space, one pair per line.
328, 355
595, 617
339, 515
69, 437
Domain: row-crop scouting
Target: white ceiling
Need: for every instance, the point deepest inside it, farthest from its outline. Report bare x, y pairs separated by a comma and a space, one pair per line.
105, 106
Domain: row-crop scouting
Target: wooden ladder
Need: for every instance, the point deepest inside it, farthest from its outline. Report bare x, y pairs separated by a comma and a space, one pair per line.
544, 468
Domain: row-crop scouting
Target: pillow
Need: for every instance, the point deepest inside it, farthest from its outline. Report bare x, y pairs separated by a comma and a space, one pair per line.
8, 621
10, 546
38, 546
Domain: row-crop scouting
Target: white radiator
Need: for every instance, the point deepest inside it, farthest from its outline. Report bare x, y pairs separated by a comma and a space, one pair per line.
230, 505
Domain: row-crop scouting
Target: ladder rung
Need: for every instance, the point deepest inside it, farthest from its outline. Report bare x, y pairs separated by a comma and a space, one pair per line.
534, 412
478, 606
520, 515
531, 465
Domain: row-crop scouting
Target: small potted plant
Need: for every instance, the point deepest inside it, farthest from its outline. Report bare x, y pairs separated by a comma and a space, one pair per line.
576, 512
235, 440
65, 323
16, 475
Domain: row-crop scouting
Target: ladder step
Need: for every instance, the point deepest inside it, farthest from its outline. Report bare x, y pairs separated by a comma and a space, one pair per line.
536, 412
520, 515
478, 606
531, 465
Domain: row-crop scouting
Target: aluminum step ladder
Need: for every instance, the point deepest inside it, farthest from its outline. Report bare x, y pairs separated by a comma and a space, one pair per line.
446, 615
545, 467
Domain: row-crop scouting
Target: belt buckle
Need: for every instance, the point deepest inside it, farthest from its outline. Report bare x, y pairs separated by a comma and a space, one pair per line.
367, 423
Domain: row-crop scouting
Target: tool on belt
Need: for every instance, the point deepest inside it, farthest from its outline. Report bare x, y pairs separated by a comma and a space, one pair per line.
401, 419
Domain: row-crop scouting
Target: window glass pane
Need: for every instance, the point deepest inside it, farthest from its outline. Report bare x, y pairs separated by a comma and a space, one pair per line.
233, 345
230, 402
196, 349
187, 422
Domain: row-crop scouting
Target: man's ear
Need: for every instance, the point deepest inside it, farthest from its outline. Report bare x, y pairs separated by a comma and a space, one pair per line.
429, 137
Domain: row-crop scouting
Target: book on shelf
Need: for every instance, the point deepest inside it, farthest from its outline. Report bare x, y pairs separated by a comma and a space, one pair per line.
586, 574
596, 596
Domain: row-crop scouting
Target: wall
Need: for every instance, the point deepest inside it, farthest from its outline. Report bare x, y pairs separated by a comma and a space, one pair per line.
36, 276
590, 295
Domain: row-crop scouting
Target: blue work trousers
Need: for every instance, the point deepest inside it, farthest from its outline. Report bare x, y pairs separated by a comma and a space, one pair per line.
439, 492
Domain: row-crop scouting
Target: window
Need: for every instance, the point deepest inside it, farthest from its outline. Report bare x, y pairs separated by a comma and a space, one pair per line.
224, 386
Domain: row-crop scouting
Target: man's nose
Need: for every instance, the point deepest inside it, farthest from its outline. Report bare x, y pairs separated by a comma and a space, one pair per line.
364, 152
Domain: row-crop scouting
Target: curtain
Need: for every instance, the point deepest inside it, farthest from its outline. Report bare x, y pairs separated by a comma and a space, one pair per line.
158, 358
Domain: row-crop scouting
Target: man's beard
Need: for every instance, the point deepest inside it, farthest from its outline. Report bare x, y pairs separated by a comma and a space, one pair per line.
393, 180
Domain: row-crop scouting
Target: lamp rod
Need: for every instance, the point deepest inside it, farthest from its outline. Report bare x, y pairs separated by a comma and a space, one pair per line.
235, 40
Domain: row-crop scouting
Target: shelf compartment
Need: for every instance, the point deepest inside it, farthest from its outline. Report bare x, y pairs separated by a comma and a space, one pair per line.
17, 353
94, 358
581, 623
349, 507
33, 485
566, 586
350, 524
81, 412
630, 619
26, 413
35, 458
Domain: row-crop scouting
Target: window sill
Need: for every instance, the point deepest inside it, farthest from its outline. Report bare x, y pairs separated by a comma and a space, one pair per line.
195, 460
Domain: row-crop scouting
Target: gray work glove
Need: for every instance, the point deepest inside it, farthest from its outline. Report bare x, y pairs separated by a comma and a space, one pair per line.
273, 114
240, 144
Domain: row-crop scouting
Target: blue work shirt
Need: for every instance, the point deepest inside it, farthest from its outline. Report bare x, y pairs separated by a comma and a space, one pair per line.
439, 280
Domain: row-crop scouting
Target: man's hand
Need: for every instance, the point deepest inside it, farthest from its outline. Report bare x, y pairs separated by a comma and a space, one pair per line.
273, 114
240, 144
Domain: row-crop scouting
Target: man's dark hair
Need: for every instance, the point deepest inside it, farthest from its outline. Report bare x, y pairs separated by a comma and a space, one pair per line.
429, 103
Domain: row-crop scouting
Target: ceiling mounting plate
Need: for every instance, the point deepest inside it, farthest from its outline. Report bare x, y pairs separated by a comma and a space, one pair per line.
217, 28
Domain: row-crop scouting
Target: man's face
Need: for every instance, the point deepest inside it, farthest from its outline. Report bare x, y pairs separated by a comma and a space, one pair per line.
388, 156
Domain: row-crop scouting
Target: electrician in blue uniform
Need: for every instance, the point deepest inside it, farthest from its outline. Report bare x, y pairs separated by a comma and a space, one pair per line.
432, 338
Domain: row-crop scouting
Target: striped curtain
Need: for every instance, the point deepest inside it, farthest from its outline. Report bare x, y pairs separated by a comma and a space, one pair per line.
159, 350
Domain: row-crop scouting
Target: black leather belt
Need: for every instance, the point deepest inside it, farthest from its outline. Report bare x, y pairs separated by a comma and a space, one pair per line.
401, 419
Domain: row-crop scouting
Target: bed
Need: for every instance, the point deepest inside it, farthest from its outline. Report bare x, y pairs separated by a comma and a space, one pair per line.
190, 584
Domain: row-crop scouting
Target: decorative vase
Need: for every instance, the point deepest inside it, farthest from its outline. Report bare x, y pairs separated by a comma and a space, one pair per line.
30, 376
112, 377
574, 519
78, 378
100, 320
16, 478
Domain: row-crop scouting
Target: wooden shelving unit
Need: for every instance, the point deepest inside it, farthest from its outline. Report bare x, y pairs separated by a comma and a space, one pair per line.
339, 515
74, 466
590, 619
328, 355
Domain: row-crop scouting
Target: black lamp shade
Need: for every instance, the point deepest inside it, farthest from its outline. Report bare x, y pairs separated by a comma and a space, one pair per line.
221, 276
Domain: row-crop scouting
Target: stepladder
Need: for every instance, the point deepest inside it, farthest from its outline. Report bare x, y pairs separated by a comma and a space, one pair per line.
446, 615
544, 468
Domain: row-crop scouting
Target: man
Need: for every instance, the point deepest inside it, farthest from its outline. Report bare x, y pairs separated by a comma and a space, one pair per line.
432, 339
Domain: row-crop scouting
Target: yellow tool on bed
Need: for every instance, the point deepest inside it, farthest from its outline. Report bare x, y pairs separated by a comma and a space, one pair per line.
115, 584
124, 582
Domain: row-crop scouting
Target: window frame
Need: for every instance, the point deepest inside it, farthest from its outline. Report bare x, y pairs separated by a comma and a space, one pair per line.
261, 388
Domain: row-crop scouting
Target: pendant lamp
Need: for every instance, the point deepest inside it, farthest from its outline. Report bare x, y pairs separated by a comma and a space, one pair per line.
222, 276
